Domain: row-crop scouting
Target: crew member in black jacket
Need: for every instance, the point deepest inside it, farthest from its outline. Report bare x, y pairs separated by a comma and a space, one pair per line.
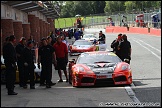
29, 65
9, 55
20, 63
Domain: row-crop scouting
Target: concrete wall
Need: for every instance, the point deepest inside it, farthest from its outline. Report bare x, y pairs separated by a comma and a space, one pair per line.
19, 23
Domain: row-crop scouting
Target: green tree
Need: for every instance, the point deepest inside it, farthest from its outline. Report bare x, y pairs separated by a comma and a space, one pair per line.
68, 9
129, 6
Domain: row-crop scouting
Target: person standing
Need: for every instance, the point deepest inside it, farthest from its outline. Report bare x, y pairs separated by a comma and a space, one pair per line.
53, 38
102, 37
77, 35
46, 53
29, 65
5, 43
6, 40
114, 45
125, 49
61, 51
9, 55
53, 58
19, 51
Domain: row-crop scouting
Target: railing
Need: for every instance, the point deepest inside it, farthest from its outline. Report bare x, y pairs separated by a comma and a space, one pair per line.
118, 18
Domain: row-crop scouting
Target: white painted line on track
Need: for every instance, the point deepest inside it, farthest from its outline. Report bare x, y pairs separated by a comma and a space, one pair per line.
132, 95
149, 45
148, 50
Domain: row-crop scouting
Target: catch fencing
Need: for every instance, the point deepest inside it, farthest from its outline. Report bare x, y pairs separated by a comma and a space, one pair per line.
119, 19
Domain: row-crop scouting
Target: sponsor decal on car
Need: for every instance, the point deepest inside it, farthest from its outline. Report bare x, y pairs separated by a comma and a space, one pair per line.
121, 82
100, 76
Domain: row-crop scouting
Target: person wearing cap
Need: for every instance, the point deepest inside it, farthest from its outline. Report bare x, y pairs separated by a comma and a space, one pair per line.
28, 65
46, 55
125, 49
19, 49
61, 51
114, 45
9, 55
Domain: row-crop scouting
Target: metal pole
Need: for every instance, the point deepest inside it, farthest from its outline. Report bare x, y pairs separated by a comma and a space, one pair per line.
58, 22
72, 22
65, 23
119, 12
142, 6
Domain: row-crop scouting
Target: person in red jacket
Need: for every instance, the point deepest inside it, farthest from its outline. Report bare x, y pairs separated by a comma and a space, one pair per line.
61, 51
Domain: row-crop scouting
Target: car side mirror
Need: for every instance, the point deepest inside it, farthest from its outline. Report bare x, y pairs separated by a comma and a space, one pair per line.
126, 60
72, 61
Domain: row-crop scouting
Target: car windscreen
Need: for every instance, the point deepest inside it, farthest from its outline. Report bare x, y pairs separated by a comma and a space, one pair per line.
98, 58
82, 43
89, 36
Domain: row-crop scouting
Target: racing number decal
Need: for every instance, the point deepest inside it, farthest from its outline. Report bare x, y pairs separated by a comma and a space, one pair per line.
97, 48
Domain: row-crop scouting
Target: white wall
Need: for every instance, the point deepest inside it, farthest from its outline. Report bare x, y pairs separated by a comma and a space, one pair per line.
11, 13
6, 11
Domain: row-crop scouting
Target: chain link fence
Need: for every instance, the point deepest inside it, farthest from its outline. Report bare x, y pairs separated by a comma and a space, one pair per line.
121, 18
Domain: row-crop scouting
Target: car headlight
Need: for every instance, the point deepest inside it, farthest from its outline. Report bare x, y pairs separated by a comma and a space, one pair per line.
80, 69
125, 67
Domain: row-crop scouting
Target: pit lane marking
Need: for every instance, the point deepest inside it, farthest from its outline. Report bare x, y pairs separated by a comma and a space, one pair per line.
148, 50
131, 93
149, 45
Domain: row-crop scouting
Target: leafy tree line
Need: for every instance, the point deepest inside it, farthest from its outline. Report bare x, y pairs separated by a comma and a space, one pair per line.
71, 8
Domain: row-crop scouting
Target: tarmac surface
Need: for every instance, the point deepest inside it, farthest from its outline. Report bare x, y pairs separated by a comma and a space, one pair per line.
63, 95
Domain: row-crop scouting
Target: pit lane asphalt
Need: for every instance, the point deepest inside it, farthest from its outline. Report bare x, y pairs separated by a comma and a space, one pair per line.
145, 64
146, 78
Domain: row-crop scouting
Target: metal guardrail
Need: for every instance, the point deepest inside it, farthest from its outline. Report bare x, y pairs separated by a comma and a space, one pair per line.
103, 19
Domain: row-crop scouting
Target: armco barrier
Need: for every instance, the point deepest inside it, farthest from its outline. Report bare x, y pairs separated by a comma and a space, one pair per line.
118, 29
109, 30
138, 30
156, 32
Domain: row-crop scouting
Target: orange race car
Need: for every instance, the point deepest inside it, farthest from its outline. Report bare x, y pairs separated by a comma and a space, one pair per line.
97, 67
80, 46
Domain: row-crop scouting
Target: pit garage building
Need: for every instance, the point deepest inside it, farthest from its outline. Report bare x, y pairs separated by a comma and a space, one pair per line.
27, 18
